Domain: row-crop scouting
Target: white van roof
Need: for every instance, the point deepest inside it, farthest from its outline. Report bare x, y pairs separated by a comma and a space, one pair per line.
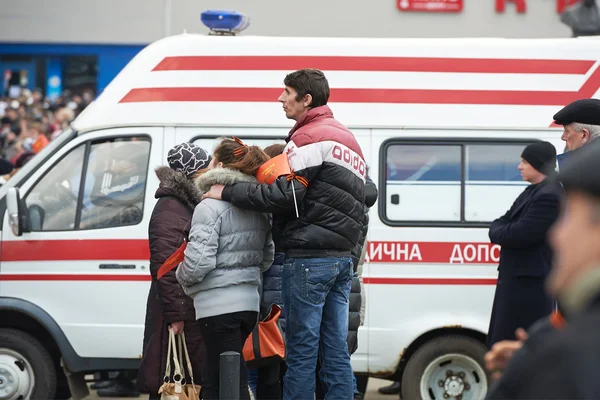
202, 80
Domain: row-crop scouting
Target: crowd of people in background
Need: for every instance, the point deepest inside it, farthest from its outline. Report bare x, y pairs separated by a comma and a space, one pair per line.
31, 121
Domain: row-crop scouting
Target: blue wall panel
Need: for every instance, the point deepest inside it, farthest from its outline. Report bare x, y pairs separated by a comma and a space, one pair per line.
111, 58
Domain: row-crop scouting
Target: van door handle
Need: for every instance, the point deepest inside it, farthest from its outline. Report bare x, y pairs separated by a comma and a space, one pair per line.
117, 266
395, 199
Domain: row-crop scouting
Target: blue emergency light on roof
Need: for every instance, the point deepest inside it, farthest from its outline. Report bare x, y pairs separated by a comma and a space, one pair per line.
222, 22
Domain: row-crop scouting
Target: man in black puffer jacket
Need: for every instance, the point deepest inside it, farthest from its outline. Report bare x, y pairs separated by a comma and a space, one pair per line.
326, 194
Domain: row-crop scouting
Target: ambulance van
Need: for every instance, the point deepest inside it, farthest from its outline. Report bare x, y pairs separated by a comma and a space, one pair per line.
441, 122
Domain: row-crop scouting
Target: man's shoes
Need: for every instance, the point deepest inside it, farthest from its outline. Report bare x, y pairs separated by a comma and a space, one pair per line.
119, 389
394, 388
101, 385
359, 396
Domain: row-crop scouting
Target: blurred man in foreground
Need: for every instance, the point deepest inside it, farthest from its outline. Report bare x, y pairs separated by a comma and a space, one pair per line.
566, 366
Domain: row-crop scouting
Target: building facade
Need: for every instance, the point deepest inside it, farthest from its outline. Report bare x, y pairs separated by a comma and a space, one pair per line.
61, 45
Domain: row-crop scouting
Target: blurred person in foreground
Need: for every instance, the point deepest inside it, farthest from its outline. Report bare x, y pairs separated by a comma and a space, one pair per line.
526, 257
581, 122
566, 365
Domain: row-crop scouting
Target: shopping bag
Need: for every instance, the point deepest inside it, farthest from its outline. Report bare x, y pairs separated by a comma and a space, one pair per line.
265, 344
177, 388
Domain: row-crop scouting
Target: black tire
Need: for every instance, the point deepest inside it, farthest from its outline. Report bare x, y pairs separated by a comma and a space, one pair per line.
430, 351
37, 356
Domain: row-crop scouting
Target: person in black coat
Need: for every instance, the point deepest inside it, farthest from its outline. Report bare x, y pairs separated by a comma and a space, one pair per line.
525, 256
566, 365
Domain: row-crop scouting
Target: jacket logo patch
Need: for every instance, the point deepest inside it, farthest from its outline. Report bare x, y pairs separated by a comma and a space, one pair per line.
354, 161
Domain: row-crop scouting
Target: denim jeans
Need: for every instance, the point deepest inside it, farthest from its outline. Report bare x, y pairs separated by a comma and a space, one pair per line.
316, 293
252, 380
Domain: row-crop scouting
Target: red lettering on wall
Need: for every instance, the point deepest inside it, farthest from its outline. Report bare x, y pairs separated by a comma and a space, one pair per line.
561, 5
520, 5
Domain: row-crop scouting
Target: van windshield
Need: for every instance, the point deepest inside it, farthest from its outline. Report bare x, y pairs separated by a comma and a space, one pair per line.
53, 146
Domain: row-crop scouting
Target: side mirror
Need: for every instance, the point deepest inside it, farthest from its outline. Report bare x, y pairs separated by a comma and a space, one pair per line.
17, 213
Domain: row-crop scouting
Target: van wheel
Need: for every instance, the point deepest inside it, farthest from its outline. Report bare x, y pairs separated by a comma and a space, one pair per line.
449, 367
26, 368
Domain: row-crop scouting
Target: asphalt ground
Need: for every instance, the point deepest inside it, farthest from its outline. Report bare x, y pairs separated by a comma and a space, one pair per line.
372, 393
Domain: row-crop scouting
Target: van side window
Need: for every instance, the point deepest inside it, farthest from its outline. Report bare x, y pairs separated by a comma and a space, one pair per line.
491, 173
423, 182
52, 202
115, 182
448, 183
111, 193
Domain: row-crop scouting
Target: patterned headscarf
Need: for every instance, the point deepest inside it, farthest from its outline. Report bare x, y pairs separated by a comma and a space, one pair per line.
188, 158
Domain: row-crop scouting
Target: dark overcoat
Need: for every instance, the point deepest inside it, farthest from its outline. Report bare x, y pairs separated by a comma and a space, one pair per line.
525, 260
562, 364
169, 225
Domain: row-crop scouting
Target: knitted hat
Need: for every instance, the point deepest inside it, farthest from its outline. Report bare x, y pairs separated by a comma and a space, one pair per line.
188, 158
541, 156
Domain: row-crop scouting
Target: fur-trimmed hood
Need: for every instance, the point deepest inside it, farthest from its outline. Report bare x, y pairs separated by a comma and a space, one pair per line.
221, 176
173, 183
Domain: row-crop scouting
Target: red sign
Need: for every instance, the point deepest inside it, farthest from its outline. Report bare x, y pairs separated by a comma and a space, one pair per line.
519, 4
431, 5
561, 5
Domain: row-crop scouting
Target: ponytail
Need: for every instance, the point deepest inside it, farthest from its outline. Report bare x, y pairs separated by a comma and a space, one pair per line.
235, 154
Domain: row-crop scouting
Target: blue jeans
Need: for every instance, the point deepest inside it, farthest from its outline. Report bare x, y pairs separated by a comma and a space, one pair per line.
252, 380
316, 294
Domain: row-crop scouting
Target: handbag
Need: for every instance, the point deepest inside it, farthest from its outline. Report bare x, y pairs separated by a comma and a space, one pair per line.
265, 344
177, 388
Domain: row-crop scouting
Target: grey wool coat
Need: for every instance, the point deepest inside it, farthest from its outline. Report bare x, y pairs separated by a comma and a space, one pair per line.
228, 250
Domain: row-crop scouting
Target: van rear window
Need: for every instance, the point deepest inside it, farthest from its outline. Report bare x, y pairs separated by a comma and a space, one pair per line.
449, 183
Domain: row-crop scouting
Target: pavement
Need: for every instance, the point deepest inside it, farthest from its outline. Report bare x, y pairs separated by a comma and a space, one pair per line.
372, 393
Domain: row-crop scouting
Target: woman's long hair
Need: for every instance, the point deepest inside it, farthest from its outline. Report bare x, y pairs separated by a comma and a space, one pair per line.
234, 154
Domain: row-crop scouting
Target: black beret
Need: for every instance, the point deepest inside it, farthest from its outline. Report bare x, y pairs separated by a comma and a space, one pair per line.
584, 111
582, 171
5, 167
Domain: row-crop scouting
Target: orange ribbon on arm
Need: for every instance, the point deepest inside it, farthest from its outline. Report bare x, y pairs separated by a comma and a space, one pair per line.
173, 261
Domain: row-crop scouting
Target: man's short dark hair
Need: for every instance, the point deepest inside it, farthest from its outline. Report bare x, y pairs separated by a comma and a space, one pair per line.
309, 81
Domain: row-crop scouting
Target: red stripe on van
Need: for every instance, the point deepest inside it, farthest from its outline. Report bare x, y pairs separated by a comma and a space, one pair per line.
430, 281
144, 278
405, 96
374, 64
74, 250
75, 277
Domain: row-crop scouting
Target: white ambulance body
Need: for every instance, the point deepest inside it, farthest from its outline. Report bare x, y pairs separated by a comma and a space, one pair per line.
441, 122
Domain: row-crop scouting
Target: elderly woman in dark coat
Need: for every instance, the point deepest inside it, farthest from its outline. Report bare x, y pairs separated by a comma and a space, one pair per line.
167, 303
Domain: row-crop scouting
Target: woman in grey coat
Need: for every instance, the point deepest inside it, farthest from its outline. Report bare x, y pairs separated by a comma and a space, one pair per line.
228, 250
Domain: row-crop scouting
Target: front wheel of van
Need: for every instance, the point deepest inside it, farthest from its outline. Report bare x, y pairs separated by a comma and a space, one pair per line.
26, 368
449, 367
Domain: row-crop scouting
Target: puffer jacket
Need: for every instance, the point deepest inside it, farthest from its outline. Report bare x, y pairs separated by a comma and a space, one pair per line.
357, 298
228, 249
169, 225
329, 189
370, 199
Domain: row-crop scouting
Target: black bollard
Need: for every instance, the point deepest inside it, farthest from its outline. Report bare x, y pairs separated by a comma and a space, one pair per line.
229, 376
